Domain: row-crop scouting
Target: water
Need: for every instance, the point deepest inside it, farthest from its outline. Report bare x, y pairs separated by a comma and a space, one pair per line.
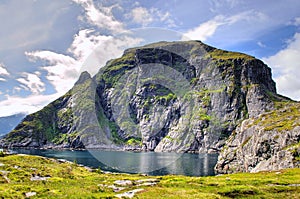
151, 163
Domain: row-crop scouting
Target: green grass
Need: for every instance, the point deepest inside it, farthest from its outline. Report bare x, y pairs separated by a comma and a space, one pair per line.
284, 118
68, 180
225, 55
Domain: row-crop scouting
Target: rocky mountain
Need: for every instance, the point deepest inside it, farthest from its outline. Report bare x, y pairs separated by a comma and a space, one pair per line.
8, 123
173, 96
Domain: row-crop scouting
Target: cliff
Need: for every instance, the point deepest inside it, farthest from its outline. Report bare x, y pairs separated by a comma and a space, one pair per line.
270, 141
168, 96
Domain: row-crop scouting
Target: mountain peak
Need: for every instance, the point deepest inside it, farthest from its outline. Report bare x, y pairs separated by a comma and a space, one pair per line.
167, 96
83, 77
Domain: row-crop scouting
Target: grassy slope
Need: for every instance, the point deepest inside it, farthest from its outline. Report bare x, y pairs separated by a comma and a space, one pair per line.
71, 181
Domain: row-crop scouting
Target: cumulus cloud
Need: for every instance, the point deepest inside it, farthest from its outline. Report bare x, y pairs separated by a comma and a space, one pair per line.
32, 82
3, 71
89, 51
108, 49
295, 22
141, 15
205, 30
85, 42
62, 70
13, 104
208, 28
286, 64
100, 16
144, 16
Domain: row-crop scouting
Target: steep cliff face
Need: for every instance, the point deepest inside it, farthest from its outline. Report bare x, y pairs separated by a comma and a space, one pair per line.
167, 96
270, 141
224, 88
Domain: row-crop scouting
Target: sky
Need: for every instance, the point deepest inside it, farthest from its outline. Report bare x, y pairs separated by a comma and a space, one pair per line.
44, 44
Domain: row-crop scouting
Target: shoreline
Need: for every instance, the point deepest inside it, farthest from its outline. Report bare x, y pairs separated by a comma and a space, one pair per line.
96, 158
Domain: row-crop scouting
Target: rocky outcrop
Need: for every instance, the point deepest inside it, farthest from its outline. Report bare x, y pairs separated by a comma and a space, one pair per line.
268, 142
213, 92
170, 96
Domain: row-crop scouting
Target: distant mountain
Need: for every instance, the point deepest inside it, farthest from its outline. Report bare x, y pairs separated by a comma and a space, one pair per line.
174, 97
8, 123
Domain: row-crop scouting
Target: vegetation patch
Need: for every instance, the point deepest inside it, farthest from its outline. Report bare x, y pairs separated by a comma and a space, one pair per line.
226, 55
284, 118
134, 142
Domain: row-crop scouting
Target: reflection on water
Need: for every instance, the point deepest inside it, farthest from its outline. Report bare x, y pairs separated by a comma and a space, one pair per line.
131, 162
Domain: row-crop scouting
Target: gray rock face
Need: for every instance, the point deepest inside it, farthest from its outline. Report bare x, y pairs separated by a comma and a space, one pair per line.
168, 96
223, 89
263, 144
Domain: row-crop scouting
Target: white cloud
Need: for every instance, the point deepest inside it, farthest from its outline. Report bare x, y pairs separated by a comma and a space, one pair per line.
208, 28
205, 30
141, 15
144, 16
3, 71
260, 44
85, 42
297, 21
15, 104
286, 64
62, 70
32, 82
2, 79
89, 51
101, 16
108, 49
223, 3
294, 22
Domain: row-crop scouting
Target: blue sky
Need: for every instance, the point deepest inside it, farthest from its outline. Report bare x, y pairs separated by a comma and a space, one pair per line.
44, 43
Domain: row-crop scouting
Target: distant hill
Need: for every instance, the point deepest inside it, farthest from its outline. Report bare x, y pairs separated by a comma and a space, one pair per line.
8, 123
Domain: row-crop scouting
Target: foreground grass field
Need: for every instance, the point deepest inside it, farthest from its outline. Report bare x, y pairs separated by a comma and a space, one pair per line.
37, 177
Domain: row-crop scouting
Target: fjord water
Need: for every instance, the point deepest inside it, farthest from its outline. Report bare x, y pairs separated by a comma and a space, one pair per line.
135, 162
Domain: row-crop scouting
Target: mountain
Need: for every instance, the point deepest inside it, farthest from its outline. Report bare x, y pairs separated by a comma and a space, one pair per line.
8, 123
173, 96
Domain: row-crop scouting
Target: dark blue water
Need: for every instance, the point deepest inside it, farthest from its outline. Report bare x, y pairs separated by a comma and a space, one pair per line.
151, 163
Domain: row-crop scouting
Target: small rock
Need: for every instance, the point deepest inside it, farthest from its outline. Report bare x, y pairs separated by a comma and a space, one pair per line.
143, 174
89, 169
5, 176
129, 194
294, 185
278, 172
38, 178
64, 161
147, 184
115, 188
146, 180
123, 182
2, 165
29, 194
